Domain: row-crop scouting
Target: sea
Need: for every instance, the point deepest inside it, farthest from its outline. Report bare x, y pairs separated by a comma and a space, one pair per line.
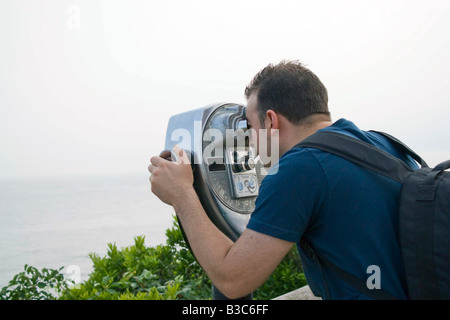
54, 222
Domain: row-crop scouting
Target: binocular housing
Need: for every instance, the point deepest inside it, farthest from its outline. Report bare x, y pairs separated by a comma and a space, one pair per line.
223, 155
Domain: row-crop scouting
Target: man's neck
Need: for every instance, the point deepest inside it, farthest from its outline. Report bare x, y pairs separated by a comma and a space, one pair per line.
300, 133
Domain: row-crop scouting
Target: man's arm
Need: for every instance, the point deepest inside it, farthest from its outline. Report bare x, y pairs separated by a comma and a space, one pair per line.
236, 269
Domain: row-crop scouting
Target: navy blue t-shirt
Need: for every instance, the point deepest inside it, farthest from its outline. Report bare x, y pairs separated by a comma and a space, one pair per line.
348, 214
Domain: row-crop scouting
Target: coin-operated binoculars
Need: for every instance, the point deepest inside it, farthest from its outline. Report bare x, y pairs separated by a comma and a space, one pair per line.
227, 170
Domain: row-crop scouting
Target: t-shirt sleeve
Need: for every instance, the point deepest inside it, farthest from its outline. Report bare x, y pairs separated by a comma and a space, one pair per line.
289, 198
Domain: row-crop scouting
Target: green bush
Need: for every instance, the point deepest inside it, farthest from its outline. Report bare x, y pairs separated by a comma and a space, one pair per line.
32, 284
138, 272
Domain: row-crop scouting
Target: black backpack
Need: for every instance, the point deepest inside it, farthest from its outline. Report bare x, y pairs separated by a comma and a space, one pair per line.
424, 215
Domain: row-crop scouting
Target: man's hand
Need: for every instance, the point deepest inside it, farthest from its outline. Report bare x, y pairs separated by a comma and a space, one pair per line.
170, 180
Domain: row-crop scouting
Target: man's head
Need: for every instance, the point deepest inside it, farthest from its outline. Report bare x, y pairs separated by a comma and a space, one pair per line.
290, 89
289, 98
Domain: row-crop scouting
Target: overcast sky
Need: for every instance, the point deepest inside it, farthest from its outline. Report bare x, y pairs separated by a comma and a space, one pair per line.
87, 87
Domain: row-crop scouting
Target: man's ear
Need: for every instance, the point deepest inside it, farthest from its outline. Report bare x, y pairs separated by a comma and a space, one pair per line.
272, 120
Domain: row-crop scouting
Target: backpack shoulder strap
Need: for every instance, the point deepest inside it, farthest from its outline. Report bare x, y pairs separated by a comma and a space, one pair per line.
403, 147
359, 152
372, 158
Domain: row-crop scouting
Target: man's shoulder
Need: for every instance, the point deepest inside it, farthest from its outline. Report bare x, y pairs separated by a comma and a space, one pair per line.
295, 161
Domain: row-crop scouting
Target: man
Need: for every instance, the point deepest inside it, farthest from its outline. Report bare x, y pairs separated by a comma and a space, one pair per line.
345, 212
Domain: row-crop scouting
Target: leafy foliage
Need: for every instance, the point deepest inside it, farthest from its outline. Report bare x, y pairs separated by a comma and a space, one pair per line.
138, 272
32, 284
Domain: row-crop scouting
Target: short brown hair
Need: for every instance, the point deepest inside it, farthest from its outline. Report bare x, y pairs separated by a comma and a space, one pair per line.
290, 89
